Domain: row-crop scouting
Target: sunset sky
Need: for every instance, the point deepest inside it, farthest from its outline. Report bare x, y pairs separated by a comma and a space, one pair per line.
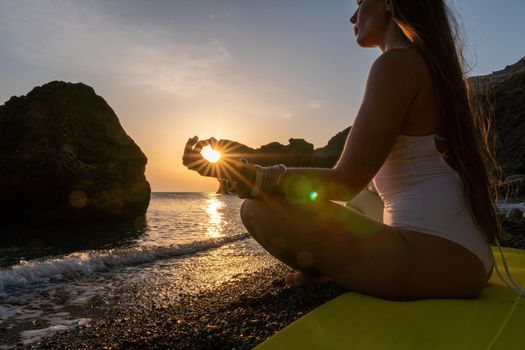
254, 71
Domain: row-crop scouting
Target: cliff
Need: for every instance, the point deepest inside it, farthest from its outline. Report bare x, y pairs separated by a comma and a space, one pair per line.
502, 94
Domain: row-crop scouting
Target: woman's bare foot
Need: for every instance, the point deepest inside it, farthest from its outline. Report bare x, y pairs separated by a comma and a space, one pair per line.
298, 278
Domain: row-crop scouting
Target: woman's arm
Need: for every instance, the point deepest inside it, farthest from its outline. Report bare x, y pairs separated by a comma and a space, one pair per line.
318, 183
392, 85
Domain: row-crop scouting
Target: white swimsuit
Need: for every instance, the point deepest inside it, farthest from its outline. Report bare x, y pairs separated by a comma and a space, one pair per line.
421, 192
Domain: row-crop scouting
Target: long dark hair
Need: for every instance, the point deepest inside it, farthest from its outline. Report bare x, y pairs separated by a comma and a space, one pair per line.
432, 28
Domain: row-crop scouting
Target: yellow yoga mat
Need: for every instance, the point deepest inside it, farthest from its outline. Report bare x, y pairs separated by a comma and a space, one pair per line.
495, 320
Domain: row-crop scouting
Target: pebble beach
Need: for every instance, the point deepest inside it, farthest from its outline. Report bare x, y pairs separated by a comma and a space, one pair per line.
238, 314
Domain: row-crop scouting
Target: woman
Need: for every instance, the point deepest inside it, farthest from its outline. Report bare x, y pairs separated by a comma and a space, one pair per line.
439, 217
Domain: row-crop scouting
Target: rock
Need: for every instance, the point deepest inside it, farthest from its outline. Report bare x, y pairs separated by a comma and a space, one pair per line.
514, 213
65, 158
502, 93
328, 155
298, 152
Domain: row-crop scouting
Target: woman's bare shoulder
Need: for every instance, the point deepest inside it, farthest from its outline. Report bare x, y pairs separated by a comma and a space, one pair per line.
410, 56
405, 63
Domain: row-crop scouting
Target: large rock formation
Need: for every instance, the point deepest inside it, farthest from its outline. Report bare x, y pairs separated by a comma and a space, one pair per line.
502, 93
64, 157
328, 155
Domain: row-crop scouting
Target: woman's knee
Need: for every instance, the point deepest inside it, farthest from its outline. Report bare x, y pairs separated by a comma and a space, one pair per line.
248, 209
258, 216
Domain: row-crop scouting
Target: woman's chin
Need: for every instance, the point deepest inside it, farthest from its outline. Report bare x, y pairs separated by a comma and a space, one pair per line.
359, 40
363, 43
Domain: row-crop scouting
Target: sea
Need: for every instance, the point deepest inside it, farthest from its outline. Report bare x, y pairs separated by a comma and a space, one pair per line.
50, 277
53, 280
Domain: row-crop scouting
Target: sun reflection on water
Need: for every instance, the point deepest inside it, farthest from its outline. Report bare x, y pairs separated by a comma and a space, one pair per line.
215, 220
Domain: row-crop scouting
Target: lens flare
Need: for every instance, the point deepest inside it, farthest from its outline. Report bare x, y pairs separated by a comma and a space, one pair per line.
313, 196
210, 154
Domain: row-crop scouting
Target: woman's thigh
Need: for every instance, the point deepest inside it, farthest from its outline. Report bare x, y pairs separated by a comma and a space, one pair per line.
355, 251
442, 268
362, 254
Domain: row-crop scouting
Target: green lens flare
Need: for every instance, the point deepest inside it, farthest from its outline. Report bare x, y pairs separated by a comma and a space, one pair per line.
302, 189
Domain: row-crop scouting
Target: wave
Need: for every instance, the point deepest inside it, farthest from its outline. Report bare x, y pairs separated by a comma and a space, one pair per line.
85, 263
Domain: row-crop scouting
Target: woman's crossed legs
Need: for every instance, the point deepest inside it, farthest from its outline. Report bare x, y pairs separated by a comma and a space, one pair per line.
325, 241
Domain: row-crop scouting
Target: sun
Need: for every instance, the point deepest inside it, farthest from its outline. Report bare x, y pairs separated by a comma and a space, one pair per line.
210, 154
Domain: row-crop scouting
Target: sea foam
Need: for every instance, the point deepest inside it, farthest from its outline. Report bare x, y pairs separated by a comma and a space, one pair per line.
32, 336
28, 273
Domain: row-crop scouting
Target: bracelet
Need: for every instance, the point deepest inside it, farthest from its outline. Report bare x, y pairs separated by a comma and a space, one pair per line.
243, 185
257, 179
282, 173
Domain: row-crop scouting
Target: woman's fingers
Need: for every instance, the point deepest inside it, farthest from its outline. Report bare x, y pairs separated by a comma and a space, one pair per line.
192, 141
189, 144
228, 147
189, 155
214, 143
200, 145
193, 159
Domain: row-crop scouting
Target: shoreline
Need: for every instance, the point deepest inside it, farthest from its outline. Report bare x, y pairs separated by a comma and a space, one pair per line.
239, 314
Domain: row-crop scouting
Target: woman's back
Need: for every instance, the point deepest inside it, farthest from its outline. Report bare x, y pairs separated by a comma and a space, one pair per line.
422, 117
421, 191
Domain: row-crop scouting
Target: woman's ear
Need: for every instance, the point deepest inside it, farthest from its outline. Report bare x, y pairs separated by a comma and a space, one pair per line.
388, 6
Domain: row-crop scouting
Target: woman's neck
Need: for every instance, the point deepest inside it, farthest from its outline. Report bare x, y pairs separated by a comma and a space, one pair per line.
393, 38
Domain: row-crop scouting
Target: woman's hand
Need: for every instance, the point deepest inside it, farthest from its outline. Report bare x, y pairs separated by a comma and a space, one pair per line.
248, 180
225, 168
